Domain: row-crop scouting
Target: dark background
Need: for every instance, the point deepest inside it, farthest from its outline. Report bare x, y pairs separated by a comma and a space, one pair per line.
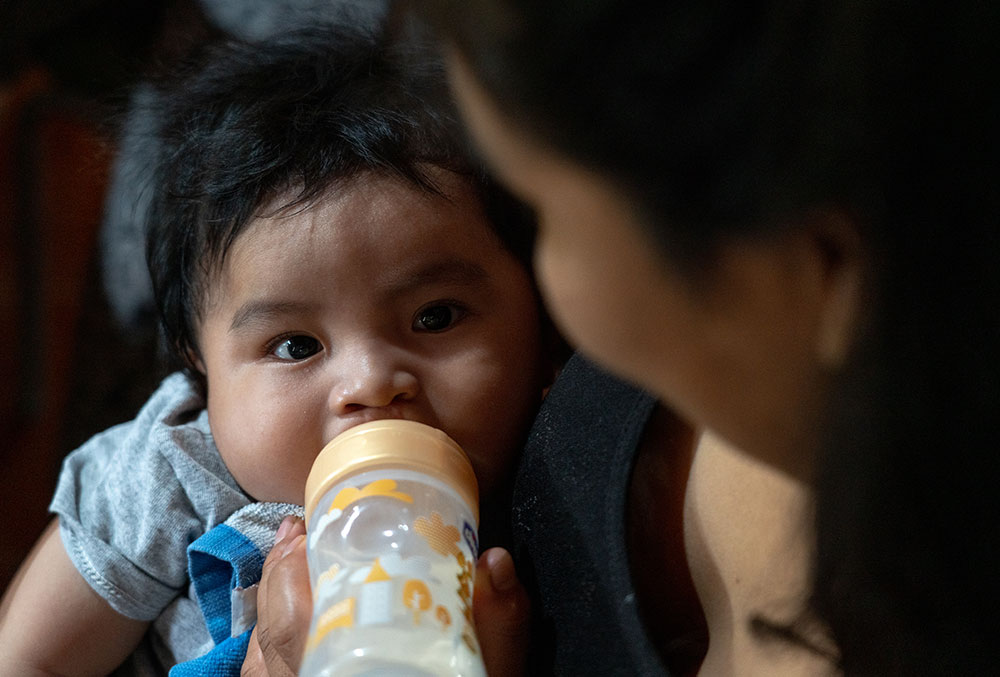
68, 367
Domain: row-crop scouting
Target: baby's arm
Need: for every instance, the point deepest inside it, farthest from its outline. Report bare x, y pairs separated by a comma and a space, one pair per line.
53, 623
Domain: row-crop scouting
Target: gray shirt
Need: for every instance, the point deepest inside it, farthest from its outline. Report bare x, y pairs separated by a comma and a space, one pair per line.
132, 499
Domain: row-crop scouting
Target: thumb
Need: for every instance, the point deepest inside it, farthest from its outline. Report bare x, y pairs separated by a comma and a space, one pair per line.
501, 609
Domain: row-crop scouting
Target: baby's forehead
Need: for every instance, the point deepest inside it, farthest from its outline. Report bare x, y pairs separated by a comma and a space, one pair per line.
430, 185
381, 218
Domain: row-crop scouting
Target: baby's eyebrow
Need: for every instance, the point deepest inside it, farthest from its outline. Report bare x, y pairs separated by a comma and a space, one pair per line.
451, 271
259, 310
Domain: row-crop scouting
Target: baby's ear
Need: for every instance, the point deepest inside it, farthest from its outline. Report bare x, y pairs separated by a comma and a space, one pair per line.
194, 359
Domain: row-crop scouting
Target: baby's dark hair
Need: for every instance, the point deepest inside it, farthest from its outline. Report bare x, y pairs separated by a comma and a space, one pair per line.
245, 127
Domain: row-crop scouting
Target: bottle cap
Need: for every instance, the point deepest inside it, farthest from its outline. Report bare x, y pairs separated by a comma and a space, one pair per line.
392, 443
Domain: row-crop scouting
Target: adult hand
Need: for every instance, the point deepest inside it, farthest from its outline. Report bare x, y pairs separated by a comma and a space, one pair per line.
284, 608
501, 608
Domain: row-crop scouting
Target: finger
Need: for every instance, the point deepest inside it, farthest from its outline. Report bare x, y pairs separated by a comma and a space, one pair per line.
253, 664
284, 602
501, 610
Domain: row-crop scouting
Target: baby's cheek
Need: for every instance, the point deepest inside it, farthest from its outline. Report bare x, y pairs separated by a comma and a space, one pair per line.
234, 453
240, 450
493, 458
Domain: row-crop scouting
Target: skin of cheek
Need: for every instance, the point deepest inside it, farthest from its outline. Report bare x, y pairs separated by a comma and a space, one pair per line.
495, 386
494, 420
606, 291
734, 355
488, 420
264, 437
486, 395
485, 398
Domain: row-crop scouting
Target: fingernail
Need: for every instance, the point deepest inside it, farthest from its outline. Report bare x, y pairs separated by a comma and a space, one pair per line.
292, 545
283, 528
501, 566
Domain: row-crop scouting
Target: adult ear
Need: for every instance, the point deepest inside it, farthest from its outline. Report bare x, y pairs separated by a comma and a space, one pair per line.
799, 286
840, 252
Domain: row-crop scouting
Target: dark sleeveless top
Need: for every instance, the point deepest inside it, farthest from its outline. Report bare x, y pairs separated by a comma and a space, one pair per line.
569, 527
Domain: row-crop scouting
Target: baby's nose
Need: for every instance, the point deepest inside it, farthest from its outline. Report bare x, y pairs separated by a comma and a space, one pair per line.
371, 378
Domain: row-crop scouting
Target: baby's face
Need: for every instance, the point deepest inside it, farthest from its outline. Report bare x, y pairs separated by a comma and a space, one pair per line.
379, 302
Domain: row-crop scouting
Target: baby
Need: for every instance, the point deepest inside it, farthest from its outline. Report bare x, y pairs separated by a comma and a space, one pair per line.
323, 253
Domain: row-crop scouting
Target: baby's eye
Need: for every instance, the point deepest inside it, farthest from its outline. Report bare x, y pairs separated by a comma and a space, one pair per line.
296, 348
437, 317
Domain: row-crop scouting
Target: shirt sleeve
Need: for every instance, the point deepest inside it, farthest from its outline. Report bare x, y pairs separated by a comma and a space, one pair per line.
131, 499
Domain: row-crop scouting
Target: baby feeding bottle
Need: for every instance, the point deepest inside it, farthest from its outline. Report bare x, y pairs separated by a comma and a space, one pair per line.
391, 521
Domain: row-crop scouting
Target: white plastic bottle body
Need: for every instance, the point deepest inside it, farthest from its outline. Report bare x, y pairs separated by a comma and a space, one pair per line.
392, 555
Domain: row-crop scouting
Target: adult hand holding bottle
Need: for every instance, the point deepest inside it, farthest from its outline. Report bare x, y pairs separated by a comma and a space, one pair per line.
284, 609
